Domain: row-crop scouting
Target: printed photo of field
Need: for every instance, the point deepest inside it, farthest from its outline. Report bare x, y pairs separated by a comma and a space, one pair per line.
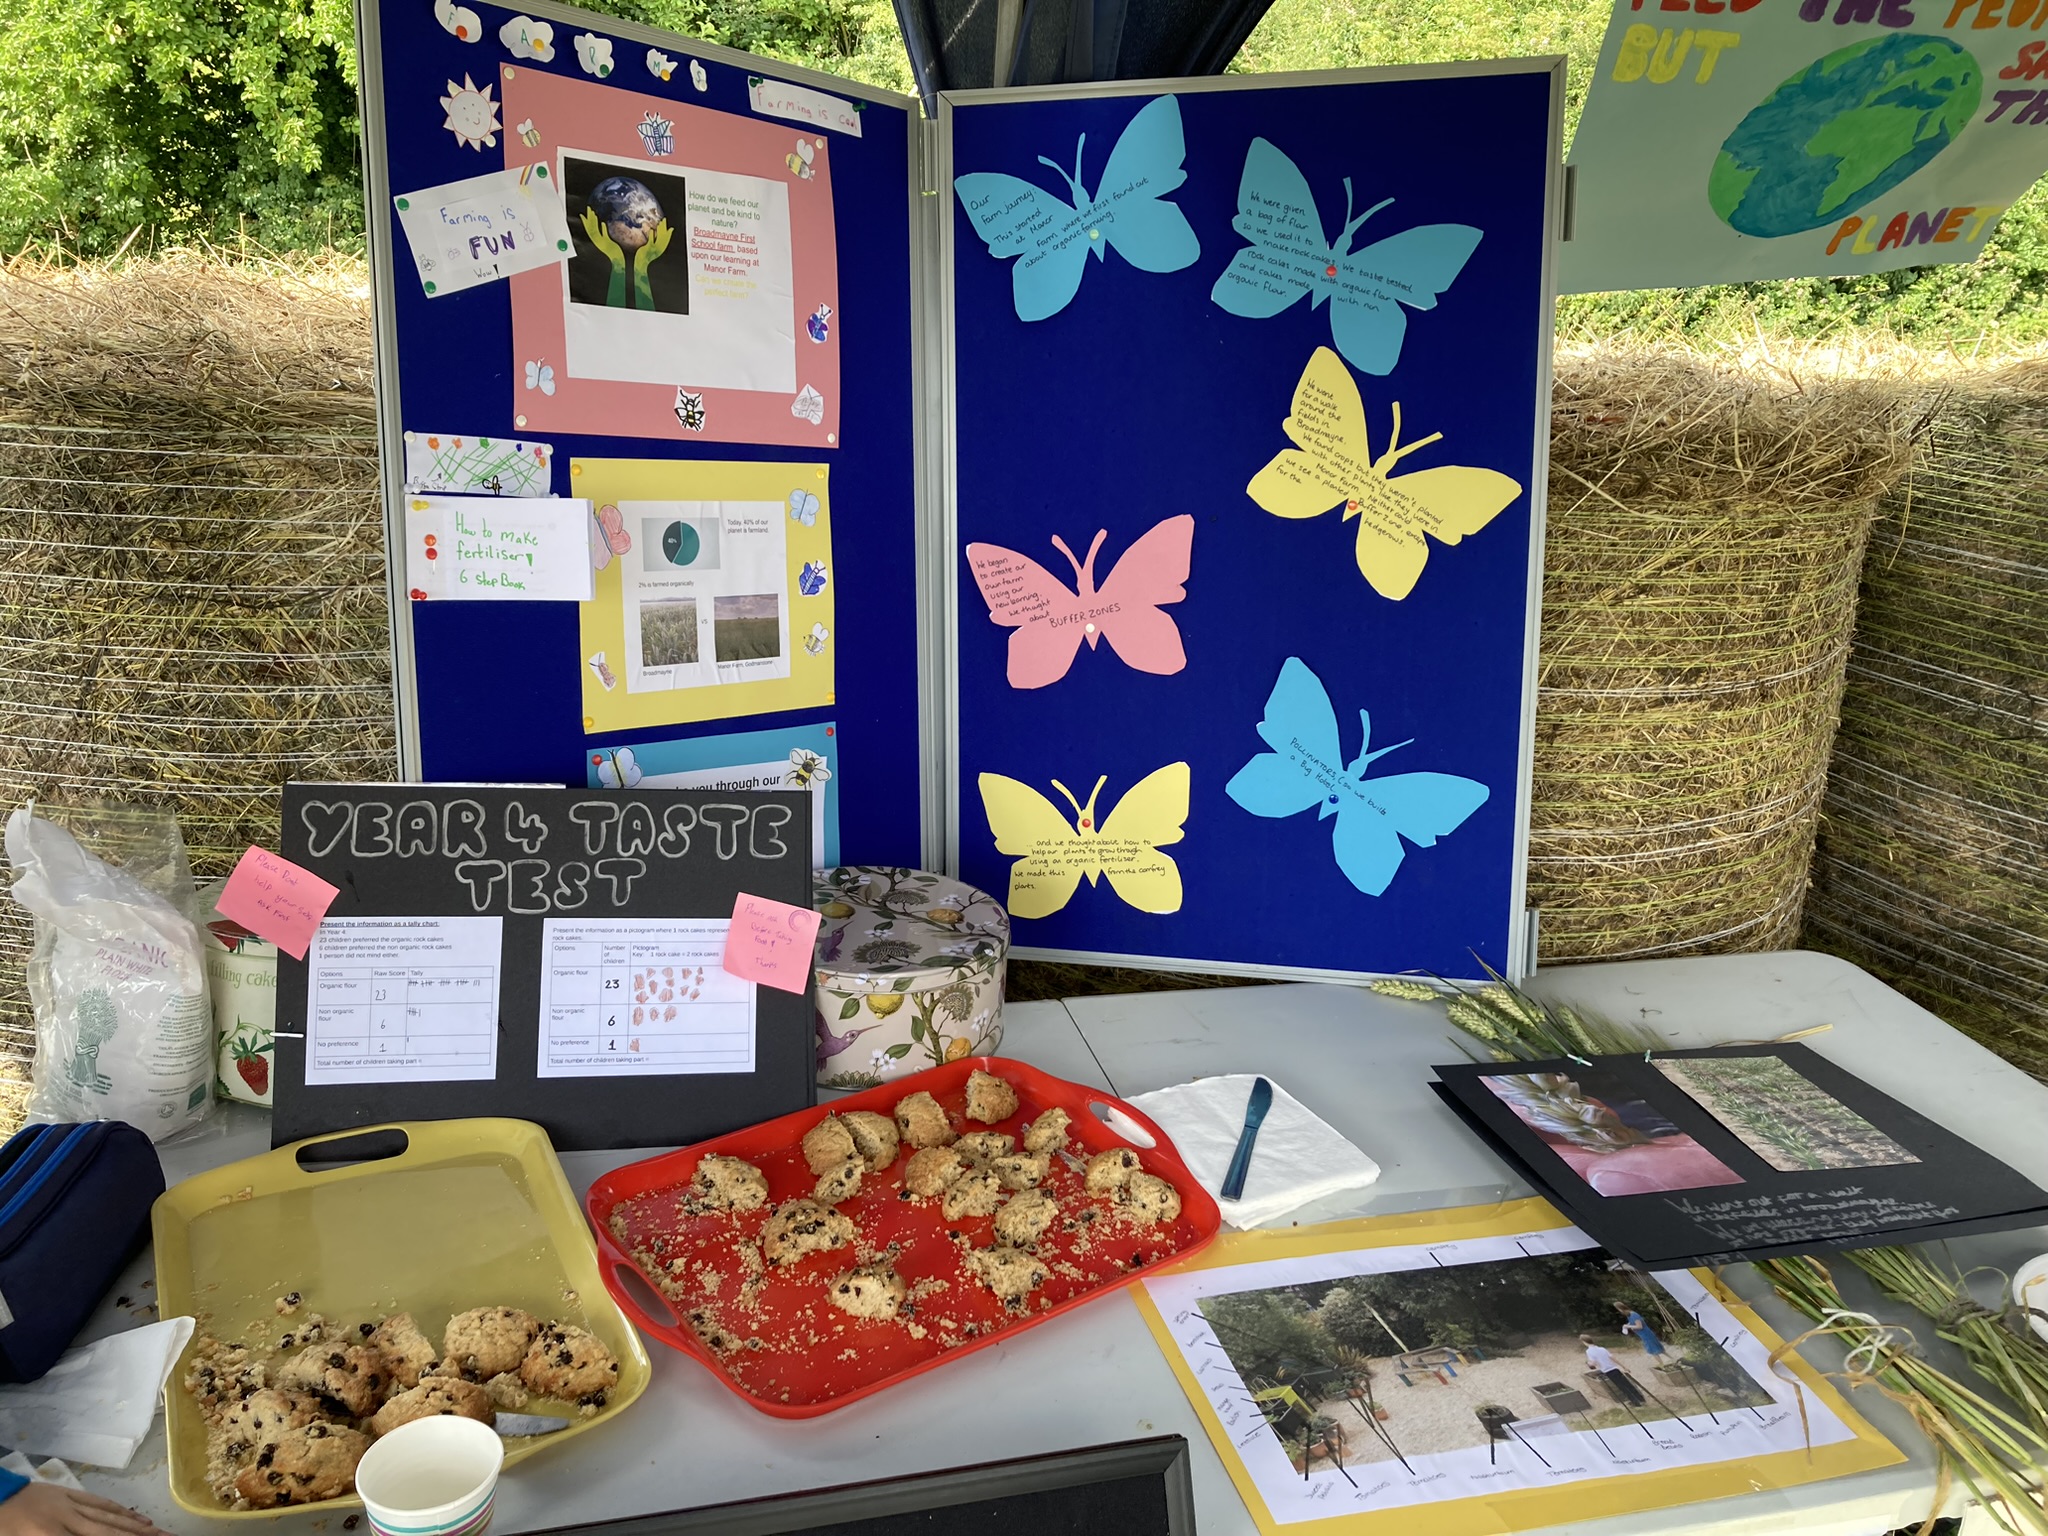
668, 632
1781, 1116
746, 628
1499, 1356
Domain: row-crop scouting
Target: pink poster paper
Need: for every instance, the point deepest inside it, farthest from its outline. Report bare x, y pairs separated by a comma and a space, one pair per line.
701, 302
276, 900
771, 942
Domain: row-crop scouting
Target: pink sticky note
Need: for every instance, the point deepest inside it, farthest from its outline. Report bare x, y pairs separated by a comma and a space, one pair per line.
276, 900
771, 942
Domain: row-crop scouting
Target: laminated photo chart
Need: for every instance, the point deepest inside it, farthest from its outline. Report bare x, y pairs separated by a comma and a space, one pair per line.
1480, 1370
553, 955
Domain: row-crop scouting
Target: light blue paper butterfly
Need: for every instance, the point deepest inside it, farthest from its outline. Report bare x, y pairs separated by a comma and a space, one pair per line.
1288, 257
1373, 815
803, 507
1052, 241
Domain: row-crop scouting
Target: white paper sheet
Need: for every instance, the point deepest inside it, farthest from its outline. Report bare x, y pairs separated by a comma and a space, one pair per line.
463, 464
706, 590
801, 104
1675, 1426
403, 1000
641, 997
746, 778
523, 549
467, 233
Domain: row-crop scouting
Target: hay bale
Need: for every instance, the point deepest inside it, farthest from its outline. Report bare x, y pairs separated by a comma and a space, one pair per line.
1706, 528
192, 604
1932, 864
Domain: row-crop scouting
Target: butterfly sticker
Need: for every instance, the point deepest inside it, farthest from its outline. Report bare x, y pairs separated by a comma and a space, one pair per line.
690, 410
819, 325
1053, 853
608, 537
1305, 769
1055, 239
808, 405
601, 670
617, 769
803, 507
1288, 257
1334, 466
810, 581
541, 377
1051, 621
814, 642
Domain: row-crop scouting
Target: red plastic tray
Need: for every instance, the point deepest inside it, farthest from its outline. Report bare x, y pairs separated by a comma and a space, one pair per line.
811, 1357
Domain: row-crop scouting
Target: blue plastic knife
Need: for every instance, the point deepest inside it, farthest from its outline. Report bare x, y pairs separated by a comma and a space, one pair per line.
1241, 1160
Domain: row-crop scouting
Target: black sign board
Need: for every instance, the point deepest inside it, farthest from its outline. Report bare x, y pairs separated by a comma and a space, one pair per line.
545, 954
1736, 1152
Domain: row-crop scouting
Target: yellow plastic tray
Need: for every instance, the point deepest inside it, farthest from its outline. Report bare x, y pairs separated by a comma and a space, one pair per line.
472, 1213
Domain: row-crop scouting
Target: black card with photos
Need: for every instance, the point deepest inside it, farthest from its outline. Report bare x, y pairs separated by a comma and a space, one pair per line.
1736, 1152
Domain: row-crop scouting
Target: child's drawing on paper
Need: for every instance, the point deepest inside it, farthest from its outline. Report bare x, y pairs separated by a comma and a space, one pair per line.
621, 219
472, 115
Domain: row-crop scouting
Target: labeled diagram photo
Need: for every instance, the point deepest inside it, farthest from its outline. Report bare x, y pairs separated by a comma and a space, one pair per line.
1505, 1356
623, 220
1783, 1117
1616, 1142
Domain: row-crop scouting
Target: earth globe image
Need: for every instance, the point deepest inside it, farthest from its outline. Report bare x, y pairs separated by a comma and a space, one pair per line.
1842, 132
627, 209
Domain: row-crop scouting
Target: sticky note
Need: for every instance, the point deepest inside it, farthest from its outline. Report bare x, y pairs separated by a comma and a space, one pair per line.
276, 900
771, 942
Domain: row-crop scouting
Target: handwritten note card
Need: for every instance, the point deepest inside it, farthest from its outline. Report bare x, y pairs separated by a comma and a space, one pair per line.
467, 233
498, 548
771, 942
800, 104
276, 900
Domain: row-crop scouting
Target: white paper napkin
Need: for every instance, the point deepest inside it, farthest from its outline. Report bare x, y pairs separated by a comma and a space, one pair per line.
1299, 1158
98, 1402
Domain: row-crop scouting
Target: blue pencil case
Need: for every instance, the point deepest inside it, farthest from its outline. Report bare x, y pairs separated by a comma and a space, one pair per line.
74, 1209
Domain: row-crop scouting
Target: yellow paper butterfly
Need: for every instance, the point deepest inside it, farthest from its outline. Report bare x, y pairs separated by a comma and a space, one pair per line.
1334, 466
1053, 855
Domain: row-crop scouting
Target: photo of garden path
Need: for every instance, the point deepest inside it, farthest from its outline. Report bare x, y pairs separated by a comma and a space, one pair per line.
1380, 1368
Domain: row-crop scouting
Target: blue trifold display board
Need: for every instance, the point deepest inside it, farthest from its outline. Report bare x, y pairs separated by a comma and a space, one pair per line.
492, 691
1169, 507
1127, 343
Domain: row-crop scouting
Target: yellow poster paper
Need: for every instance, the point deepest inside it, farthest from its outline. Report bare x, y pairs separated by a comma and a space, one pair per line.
1483, 1370
1334, 465
713, 590
1054, 854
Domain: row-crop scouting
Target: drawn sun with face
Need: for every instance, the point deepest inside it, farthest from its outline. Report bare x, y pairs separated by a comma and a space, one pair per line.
472, 115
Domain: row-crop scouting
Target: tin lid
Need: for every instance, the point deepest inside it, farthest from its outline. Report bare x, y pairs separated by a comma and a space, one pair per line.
882, 924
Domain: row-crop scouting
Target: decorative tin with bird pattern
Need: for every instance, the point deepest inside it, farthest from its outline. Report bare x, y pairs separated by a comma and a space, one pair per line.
910, 973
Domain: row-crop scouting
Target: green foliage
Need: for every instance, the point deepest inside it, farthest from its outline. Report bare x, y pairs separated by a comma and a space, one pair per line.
1262, 1330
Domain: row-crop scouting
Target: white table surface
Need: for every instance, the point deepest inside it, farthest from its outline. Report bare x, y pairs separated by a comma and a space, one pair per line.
1355, 1058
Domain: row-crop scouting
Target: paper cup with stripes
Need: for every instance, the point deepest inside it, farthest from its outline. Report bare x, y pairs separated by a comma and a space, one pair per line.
432, 1477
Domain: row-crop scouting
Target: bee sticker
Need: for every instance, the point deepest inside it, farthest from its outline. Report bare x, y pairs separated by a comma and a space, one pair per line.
799, 160
814, 642
690, 410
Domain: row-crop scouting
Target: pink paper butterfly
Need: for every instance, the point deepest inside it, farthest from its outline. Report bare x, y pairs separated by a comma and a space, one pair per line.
1051, 621
608, 537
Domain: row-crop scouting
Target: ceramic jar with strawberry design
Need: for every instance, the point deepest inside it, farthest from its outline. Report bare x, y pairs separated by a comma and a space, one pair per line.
910, 972
241, 975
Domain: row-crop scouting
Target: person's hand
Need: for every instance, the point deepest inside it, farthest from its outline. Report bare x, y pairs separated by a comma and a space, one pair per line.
48, 1509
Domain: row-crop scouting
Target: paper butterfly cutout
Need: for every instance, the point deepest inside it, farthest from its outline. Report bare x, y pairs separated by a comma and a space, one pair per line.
814, 642
1055, 853
1051, 621
690, 410
616, 769
819, 325
1335, 466
608, 537
1288, 257
1305, 769
810, 581
803, 507
602, 672
541, 377
808, 405
1016, 218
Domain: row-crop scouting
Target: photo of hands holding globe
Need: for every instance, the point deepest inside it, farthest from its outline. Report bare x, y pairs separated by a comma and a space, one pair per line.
624, 218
